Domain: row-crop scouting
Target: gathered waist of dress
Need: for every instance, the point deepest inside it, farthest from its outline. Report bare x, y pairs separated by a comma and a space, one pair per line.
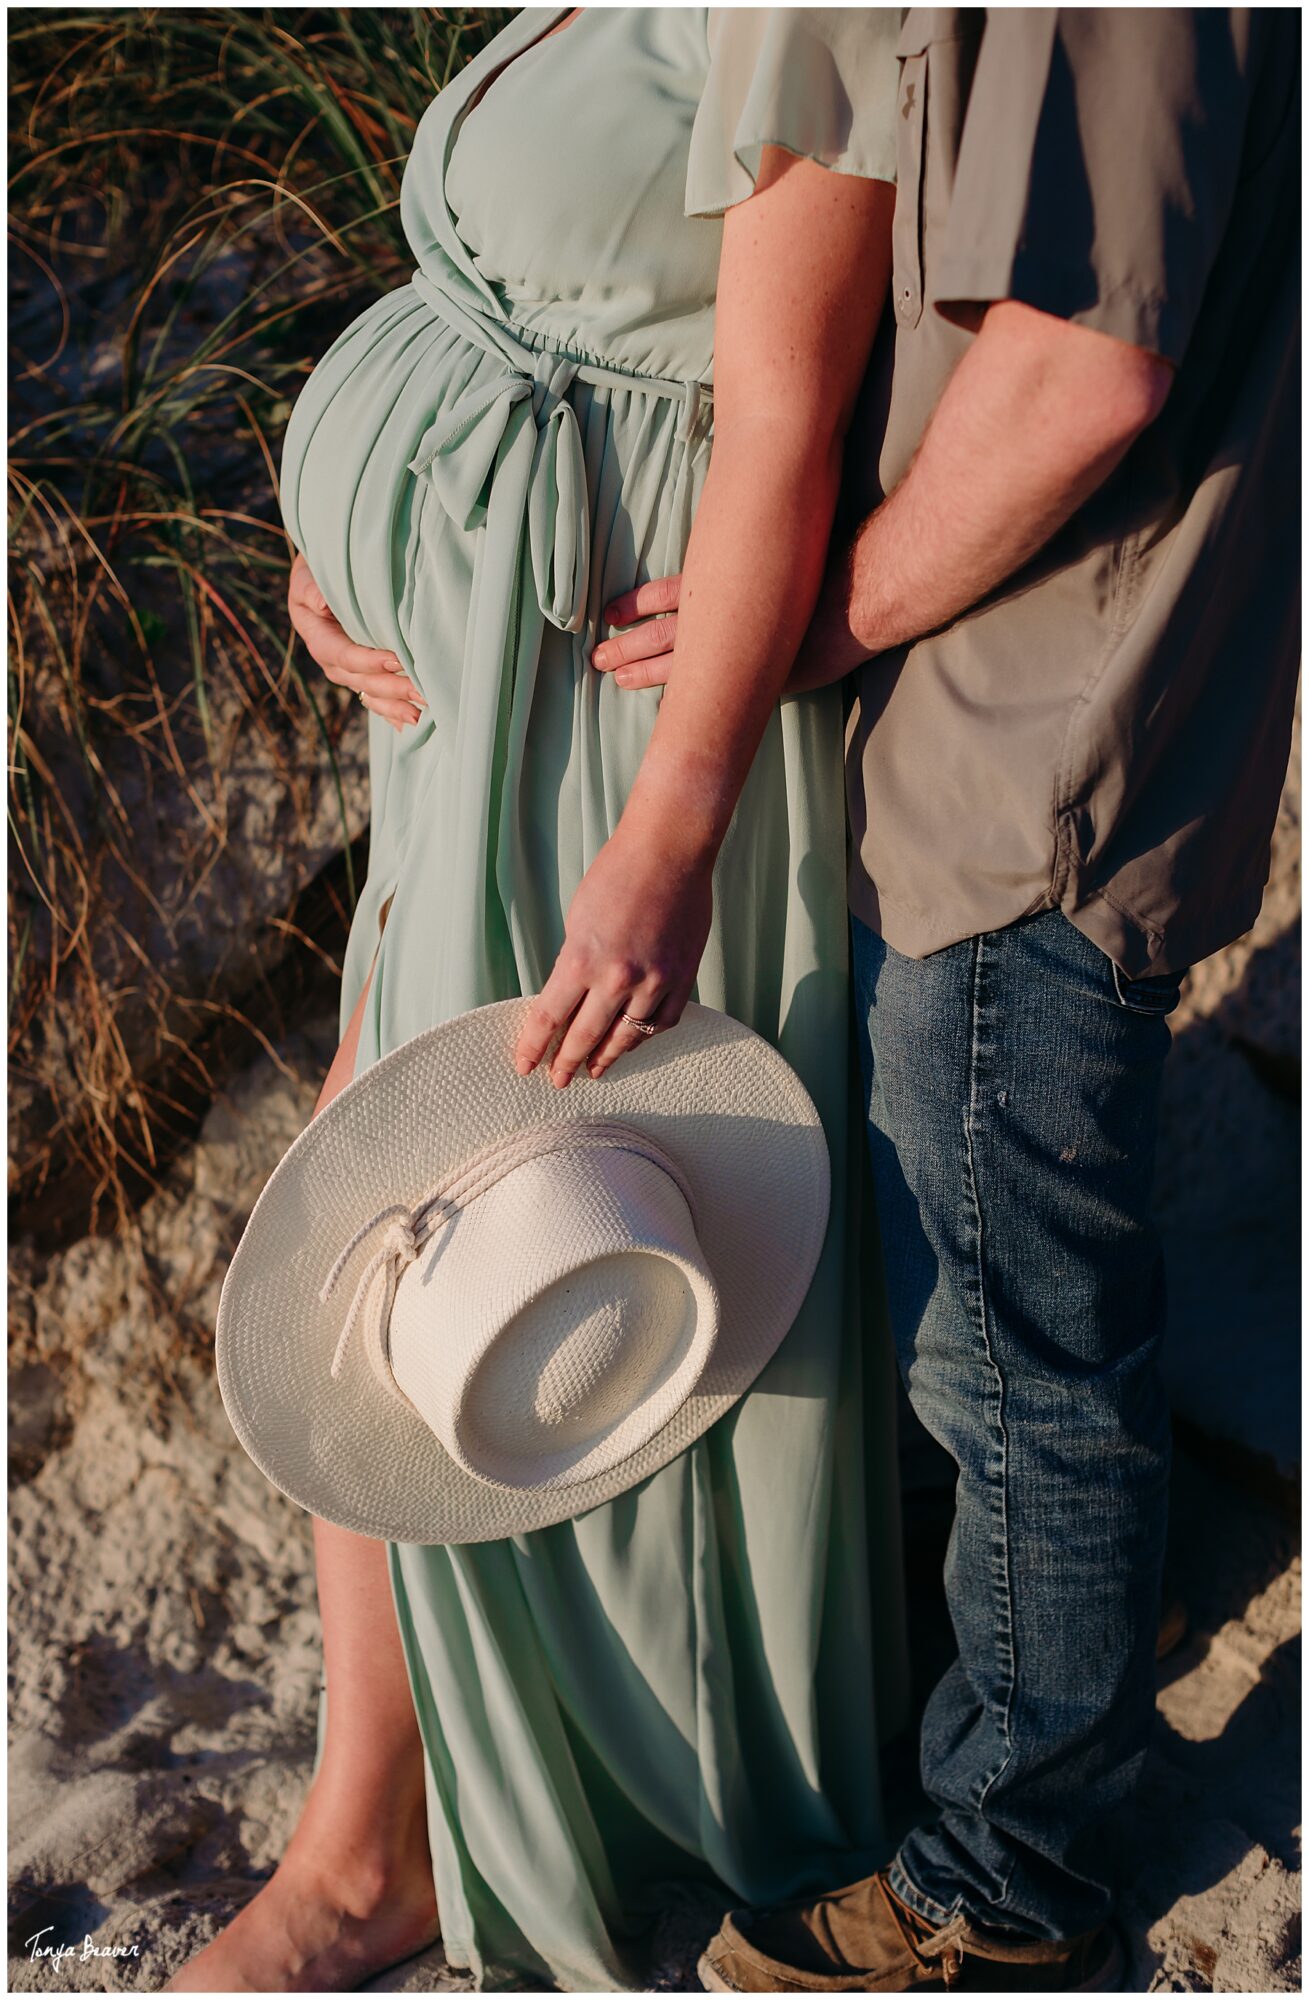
523, 354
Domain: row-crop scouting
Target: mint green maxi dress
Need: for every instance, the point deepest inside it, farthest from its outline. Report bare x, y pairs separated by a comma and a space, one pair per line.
687, 1685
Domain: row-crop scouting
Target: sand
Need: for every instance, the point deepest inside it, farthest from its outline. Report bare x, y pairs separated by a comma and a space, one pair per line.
164, 1646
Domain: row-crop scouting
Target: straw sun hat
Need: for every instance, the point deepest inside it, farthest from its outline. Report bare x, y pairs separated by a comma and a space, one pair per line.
468, 1304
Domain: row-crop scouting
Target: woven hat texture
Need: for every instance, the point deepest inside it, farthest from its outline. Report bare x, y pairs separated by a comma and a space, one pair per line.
650, 1299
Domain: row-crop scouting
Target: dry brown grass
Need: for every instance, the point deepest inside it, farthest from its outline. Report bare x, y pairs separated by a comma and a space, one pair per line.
200, 199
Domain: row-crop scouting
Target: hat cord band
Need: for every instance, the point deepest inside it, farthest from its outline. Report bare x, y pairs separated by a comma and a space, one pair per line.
411, 1229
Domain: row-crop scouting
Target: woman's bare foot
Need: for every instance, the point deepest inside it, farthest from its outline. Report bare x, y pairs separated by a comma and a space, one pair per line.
353, 1893
335, 1912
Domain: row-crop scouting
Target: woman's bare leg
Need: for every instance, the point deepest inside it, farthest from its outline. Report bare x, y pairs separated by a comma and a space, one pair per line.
353, 1892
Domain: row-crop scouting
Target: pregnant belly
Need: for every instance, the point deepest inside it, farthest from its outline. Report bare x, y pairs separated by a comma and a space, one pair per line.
347, 493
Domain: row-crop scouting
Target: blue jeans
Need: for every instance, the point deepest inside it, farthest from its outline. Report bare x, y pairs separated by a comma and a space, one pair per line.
1013, 1092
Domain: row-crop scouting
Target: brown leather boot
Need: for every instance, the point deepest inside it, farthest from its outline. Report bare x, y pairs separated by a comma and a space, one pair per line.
863, 1939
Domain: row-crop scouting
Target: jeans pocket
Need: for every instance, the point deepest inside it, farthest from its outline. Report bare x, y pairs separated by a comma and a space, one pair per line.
1155, 993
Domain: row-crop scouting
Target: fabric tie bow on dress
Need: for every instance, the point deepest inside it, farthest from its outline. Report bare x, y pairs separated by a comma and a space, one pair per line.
508, 456
506, 463
510, 449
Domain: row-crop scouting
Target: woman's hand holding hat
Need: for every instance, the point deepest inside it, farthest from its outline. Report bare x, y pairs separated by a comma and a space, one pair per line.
634, 937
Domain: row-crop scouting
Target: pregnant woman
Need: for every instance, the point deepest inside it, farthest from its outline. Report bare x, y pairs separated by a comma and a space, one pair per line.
652, 248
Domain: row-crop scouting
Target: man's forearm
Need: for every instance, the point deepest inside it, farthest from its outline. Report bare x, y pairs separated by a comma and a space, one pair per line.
1033, 420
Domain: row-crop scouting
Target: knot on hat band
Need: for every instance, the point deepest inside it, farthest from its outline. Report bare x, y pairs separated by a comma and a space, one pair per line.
409, 1230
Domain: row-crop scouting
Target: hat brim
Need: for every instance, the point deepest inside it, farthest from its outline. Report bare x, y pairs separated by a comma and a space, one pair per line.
714, 1094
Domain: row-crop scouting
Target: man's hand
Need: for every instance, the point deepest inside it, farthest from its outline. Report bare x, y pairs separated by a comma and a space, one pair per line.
1037, 415
376, 677
645, 656
642, 657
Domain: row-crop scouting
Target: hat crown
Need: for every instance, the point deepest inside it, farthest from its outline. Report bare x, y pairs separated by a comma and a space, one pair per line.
554, 1324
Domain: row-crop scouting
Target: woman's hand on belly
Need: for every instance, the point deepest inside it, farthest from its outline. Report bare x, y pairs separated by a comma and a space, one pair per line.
633, 940
377, 678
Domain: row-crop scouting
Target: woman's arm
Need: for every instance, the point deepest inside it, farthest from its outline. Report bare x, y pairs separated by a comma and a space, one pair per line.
1035, 418
803, 277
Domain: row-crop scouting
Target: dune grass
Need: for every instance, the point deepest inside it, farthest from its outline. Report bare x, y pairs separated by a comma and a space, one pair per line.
200, 199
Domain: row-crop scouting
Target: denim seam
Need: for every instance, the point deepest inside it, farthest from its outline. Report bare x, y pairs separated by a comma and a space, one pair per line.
922, 1905
971, 1121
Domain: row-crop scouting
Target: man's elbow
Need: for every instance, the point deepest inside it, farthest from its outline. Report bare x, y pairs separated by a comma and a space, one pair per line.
1107, 388
1133, 393
1074, 378
1100, 417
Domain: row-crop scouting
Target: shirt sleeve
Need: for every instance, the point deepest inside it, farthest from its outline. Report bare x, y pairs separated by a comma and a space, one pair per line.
1099, 158
820, 82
